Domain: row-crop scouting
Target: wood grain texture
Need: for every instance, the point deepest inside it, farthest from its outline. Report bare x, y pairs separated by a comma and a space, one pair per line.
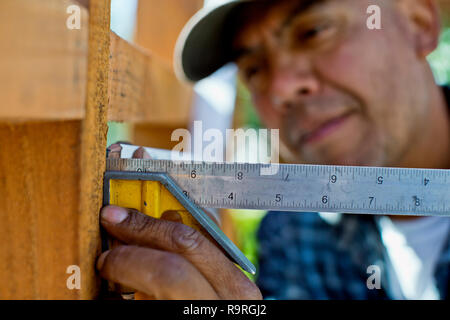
143, 89
93, 145
39, 187
43, 64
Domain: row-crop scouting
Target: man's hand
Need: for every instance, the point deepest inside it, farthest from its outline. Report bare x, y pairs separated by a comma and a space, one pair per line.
166, 259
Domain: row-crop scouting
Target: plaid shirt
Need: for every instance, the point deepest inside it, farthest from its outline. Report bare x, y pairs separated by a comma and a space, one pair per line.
302, 256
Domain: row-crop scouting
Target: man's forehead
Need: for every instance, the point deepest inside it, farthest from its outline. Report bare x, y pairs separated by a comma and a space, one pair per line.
272, 15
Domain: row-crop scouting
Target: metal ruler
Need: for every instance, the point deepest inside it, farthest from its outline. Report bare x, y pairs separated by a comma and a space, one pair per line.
304, 188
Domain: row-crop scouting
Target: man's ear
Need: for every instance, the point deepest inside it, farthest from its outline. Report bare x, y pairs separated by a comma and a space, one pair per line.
424, 19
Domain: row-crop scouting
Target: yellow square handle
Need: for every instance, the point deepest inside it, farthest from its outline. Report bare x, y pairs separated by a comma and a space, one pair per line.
152, 199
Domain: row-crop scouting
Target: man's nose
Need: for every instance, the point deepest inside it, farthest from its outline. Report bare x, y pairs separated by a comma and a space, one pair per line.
291, 84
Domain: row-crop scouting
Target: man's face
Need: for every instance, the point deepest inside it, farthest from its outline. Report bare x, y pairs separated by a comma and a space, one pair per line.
339, 92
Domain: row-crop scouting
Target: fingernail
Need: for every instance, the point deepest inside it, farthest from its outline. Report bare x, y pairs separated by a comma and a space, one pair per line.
140, 153
113, 151
114, 214
172, 215
101, 260
115, 148
146, 155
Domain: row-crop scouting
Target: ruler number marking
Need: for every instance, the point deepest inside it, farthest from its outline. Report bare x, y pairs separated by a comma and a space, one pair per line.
380, 180
417, 201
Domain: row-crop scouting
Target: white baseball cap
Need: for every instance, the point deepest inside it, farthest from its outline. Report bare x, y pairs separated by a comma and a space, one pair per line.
204, 44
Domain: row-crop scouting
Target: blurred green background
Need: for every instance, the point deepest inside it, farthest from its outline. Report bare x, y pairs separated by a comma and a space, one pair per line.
440, 59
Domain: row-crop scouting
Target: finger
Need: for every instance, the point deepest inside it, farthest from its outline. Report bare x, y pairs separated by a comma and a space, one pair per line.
136, 228
172, 215
113, 151
140, 153
160, 274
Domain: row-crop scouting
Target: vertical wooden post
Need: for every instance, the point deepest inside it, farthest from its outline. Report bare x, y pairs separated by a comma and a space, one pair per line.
93, 143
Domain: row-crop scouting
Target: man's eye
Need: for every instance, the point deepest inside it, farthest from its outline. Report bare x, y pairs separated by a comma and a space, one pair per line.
314, 32
252, 71
310, 33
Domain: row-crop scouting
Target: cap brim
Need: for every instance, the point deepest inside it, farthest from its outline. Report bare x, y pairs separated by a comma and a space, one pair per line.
204, 45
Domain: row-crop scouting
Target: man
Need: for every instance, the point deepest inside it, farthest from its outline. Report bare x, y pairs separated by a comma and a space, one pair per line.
341, 94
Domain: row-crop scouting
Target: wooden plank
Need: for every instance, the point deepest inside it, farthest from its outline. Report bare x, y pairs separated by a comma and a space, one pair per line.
143, 89
43, 65
39, 189
154, 136
160, 22
93, 145
43, 72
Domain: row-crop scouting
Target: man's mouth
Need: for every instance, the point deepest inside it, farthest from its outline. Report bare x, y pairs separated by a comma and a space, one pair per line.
325, 129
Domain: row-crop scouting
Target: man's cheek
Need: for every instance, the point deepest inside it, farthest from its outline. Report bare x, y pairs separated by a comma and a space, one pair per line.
266, 111
357, 64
